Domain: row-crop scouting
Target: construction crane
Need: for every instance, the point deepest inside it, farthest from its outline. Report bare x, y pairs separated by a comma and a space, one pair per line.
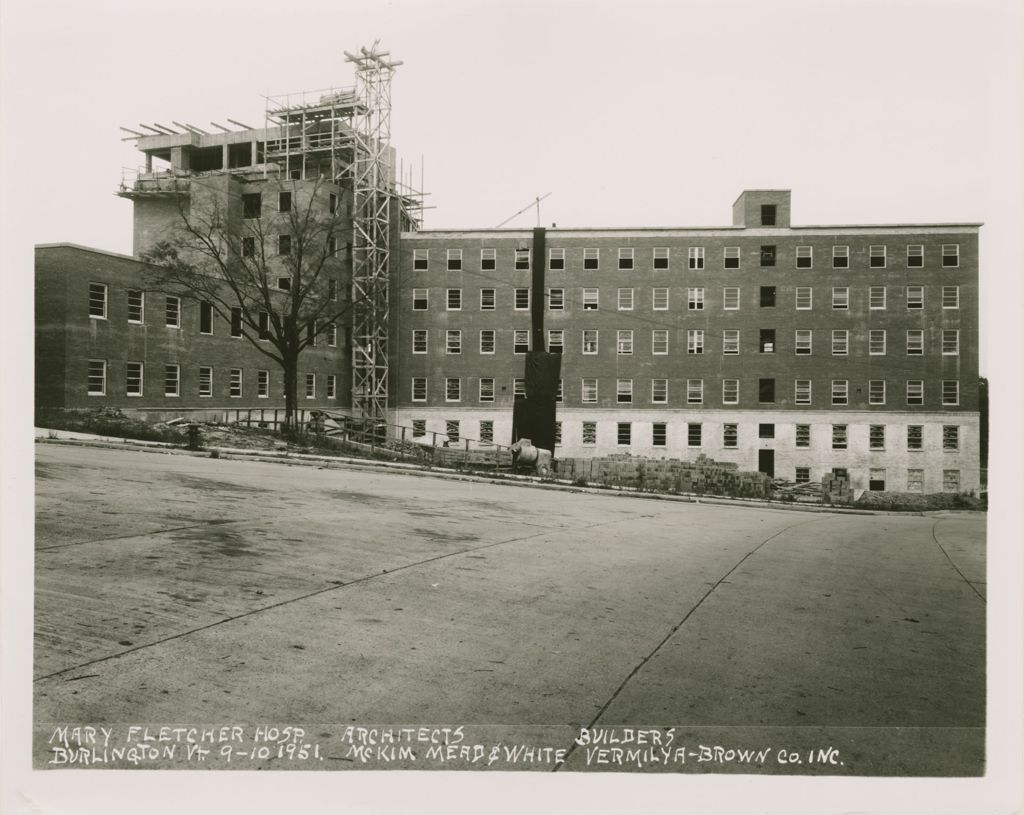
534, 203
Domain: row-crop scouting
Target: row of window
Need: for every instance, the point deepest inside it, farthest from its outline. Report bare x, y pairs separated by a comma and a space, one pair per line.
877, 257
626, 300
252, 203
839, 391
803, 345
171, 381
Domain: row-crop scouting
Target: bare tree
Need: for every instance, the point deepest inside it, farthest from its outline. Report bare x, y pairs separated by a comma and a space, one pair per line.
274, 274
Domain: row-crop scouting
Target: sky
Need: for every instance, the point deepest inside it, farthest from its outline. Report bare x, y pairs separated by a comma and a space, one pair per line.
638, 113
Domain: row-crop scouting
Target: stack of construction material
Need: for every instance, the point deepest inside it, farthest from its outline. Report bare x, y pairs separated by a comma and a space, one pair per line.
835, 489
702, 476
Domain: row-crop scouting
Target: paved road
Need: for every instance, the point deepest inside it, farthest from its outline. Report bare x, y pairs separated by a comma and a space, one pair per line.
177, 589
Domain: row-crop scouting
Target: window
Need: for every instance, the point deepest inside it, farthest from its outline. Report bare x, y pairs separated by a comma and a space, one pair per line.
766, 431
840, 257
802, 391
915, 437
804, 257
419, 299
560, 393
487, 300
767, 214
876, 342
803, 475
659, 298
522, 300
624, 433
660, 258
556, 299
695, 341
915, 392
453, 342
588, 391
172, 312
332, 203
252, 204
767, 256
730, 391
767, 296
518, 388
451, 430
205, 318
803, 435
915, 297
730, 341
876, 479
520, 341
730, 435
876, 392
840, 392
419, 389
950, 255
731, 298
767, 340
332, 289
488, 260
590, 299
133, 379
248, 247
454, 300
625, 259
454, 260
556, 341
264, 323
590, 341
136, 306
876, 257
951, 297
695, 299
766, 391
590, 432
556, 259
284, 202
205, 381
950, 437
172, 380
263, 384
696, 257
452, 389
840, 343
840, 298
951, 481
591, 259
915, 255
915, 342
486, 431
659, 341
694, 391
522, 260
419, 428
235, 383
332, 335
950, 392
838, 437
624, 391
802, 341
876, 437
915, 480
486, 389
876, 298
731, 257
284, 244
804, 299
693, 434
420, 260
659, 434
625, 299
284, 284
659, 391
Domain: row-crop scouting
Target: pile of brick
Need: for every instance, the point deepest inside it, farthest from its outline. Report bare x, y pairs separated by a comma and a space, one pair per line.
835, 489
702, 475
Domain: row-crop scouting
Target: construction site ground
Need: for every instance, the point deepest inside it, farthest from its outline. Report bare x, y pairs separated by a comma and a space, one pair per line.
482, 621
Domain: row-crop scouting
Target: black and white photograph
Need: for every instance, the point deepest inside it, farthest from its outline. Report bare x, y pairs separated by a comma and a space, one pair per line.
512, 407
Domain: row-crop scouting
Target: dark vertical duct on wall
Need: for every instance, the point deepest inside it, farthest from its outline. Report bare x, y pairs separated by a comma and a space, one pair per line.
538, 265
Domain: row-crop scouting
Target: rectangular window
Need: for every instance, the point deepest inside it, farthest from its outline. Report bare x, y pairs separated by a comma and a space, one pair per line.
419, 428
486, 431
731, 298
264, 323
624, 391
876, 479
660, 257
452, 389
695, 299
522, 260
803, 475
589, 433
804, 299
332, 203
556, 341
767, 340
591, 259
767, 214
838, 437
419, 389
518, 388
840, 298
420, 260
696, 257
766, 431
730, 391
454, 260
133, 379
730, 341
659, 341
915, 342
454, 300
263, 384
876, 257
915, 437
876, 437
803, 435
284, 202
248, 247
804, 257
588, 392
951, 392
235, 383
802, 391
915, 255
876, 392
659, 434
206, 381
766, 391
694, 391
332, 335
556, 299
284, 245
695, 341
659, 391
915, 480
767, 256
486, 389
802, 339
731, 257
488, 260
950, 437
453, 342
556, 259
625, 259
136, 306
205, 318
624, 433
332, 289
452, 430
172, 312
172, 380
730, 435
876, 342
560, 393
487, 300
522, 300
840, 257
951, 297
876, 298
590, 299
284, 284
252, 204
625, 299
915, 392
659, 298
840, 342
915, 297
520, 341
950, 255
951, 481
693, 434
767, 296
419, 299
590, 341
840, 392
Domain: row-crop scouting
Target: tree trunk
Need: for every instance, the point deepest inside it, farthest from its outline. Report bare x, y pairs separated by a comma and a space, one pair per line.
291, 392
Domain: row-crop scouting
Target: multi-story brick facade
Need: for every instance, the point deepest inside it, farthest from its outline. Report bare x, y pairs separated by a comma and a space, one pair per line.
795, 350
